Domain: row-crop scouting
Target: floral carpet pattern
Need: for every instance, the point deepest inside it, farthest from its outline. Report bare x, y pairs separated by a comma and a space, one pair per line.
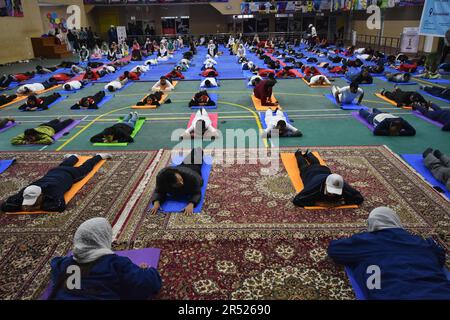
249, 241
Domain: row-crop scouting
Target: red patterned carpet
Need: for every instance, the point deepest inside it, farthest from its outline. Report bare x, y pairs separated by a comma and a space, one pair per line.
249, 242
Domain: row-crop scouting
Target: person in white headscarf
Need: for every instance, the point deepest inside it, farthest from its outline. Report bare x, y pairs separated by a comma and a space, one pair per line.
103, 274
388, 262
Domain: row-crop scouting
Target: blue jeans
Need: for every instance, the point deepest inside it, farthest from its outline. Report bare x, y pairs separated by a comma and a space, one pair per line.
130, 120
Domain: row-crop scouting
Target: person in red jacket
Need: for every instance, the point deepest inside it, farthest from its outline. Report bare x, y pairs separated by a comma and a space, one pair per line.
265, 72
407, 67
210, 73
338, 69
61, 77
175, 74
130, 76
310, 71
23, 76
34, 103
286, 72
263, 91
91, 75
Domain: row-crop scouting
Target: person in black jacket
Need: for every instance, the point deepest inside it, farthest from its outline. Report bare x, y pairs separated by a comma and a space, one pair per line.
34, 103
120, 132
4, 122
90, 102
5, 99
434, 112
47, 193
386, 124
202, 99
181, 181
153, 99
322, 186
403, 98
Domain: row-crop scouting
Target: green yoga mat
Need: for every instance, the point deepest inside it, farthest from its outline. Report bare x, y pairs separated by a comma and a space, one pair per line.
137, 128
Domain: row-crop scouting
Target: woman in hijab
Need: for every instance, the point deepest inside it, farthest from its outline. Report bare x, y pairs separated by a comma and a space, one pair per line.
411, 267
104, 275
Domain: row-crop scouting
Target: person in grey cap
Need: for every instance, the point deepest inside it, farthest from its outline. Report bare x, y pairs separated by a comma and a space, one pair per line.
388, 262
439, 165
322, 186
47, 193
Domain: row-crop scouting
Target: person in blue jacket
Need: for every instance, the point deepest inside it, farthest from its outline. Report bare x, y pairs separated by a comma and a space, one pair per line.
411, 267
104, 275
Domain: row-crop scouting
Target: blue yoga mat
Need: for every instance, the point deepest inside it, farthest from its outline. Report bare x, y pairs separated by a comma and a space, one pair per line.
352, 106
357, 288
99, 105
172, 205
5, 164
214, 97
51, 104
443, 81
129, 83
262, 117
360, 84
397, 83
430, 95
416, 161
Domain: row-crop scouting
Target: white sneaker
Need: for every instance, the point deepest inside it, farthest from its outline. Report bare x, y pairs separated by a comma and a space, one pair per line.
136, 114
104, 156
69, 155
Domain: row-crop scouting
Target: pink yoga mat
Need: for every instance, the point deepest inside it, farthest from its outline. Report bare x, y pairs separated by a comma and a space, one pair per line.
213, 116
150, 256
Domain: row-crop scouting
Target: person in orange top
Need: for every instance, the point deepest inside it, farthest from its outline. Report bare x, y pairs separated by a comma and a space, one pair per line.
175, 74
286, 72
130, 76
91, 75
310, 71
265, 72
407, 67
210, 73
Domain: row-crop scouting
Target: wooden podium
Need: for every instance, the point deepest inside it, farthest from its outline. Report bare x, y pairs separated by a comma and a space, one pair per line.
47, 47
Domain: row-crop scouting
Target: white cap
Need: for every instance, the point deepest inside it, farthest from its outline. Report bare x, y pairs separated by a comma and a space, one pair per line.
334, 184
310, 26
30, 195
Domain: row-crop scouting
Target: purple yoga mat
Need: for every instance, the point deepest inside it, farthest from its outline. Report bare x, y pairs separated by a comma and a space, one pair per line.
8, 126
60, 134
419, 115
150, 256
362, 120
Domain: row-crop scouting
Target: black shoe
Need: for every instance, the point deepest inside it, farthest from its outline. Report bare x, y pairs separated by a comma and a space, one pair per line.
298, 153
427, 152
438, 154
168, 101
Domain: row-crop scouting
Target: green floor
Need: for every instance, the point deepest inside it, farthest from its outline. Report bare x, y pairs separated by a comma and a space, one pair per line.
322, 123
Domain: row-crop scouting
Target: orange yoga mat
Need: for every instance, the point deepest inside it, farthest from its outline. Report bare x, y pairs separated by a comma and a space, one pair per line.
68, 196
315, 85
259, 107
290, 164
163, 99
379, 95
21, 98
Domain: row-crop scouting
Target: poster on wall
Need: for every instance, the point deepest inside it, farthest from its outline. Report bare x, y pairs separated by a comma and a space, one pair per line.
121, 34
435, 20
11, 8
410, 40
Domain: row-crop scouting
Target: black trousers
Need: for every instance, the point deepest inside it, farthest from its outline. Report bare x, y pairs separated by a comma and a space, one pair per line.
57, 124
194, 160
80, 172
3, 123
303, 163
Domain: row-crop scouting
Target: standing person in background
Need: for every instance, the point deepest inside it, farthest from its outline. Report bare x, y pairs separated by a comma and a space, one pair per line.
313, 34
71, 41
90, 39
112, 35
446, 49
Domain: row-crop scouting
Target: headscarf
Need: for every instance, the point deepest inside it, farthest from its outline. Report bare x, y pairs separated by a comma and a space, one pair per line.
92, 240
383, 218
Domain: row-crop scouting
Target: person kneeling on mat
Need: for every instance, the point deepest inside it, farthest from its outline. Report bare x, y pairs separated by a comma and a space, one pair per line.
321, 186
276, 120
386, 124
411, 266
153, 99
181, 181
119, 132
116, 85
47, 193
164, 85
209, 82
434, 112
90, 102
202, 99
107, 276
34, 103
348, 94
263, 92
43, 134
439, 165
201, 126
